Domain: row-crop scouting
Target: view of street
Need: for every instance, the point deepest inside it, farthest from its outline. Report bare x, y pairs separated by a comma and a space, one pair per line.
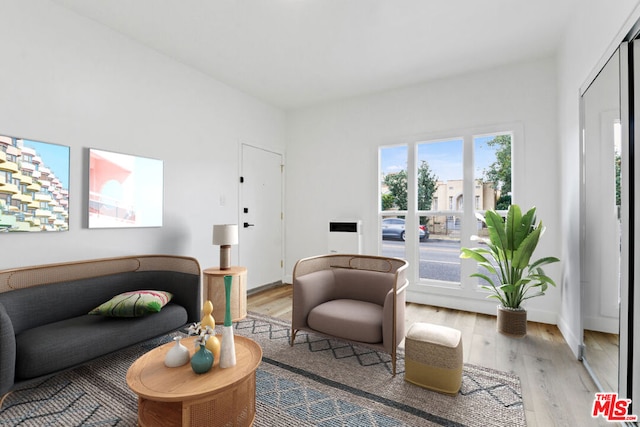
439, 258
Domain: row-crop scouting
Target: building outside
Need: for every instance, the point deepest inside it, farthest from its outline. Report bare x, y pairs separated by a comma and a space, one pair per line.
447, 201
448, 197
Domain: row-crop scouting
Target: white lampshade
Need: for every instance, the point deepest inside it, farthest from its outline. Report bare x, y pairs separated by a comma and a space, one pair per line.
225, 234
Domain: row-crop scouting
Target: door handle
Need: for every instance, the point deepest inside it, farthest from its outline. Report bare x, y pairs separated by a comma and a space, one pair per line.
247, 225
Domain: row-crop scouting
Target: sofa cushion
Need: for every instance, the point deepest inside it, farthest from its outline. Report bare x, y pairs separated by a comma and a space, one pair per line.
364, 285
349, 319
134, 304
64, 344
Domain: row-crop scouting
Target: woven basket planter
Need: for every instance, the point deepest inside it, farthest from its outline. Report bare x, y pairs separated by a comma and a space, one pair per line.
512, 322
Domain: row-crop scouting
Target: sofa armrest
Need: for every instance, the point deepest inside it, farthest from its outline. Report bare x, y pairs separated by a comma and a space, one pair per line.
388, 320
7, 352
310, 291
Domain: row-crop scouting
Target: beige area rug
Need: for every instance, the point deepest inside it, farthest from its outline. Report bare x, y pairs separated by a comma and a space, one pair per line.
317, 382
362, 377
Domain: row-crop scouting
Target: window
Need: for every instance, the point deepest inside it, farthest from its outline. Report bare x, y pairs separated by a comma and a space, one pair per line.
443, 159
414, 226
393, 199
492, 171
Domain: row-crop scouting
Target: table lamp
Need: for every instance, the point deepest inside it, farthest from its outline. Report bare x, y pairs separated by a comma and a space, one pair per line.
225, 235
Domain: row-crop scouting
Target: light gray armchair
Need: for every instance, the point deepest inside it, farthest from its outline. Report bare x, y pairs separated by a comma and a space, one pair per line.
356, 298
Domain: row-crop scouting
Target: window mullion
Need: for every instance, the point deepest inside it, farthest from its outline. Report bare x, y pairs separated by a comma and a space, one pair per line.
468, 211
411, 227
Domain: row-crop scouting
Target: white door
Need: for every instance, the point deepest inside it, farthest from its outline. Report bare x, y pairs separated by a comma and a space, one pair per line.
260, 247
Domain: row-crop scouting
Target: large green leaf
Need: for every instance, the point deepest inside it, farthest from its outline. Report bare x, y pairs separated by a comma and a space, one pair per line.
490, 268
485, 278
495, 253
508, 288
523, 253
527, 223
475, 253
543, 261
495, 226
512, 226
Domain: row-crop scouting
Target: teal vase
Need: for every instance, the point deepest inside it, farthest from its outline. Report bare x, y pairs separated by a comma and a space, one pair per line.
227, 346
202, 360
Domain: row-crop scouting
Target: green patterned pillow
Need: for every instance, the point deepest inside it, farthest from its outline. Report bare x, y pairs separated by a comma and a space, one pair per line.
133, 304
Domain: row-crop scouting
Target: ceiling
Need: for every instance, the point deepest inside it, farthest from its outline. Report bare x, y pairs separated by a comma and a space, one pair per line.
294, 53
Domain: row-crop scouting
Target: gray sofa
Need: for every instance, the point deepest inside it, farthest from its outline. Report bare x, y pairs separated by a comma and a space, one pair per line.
357, 298
44, 321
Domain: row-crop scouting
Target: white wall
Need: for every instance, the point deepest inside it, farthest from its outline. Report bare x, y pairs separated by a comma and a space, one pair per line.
332, 155
67, 80
591, 38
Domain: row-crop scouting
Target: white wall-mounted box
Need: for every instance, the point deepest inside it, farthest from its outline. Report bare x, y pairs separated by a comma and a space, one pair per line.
345, 236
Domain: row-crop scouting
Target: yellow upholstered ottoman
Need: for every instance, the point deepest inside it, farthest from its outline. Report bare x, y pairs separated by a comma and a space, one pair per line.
433, 357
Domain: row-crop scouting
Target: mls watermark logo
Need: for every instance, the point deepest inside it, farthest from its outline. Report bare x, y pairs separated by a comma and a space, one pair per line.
611, 408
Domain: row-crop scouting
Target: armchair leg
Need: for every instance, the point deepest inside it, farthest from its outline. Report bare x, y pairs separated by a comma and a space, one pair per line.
293, 336
393, 363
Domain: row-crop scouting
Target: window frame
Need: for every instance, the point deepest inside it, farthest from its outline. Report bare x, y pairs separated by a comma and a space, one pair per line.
424, 290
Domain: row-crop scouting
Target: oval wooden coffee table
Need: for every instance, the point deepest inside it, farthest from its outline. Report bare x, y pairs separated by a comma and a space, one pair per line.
180, 397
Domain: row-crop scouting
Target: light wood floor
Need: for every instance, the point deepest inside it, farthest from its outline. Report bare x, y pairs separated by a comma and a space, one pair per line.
602, 351
556, 388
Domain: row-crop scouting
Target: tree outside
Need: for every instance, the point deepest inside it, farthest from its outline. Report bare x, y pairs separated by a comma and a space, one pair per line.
499, 172
427, 185
387, 201
396, 183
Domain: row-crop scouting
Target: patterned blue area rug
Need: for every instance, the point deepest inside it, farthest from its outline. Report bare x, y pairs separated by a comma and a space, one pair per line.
317, 382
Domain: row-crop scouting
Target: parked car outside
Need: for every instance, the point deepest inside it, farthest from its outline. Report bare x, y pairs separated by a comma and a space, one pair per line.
393, 228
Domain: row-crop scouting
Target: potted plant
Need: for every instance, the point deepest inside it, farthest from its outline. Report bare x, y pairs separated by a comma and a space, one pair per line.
512, 276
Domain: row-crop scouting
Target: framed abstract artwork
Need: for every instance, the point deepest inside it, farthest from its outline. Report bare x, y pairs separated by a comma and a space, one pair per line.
124, 190
34, 185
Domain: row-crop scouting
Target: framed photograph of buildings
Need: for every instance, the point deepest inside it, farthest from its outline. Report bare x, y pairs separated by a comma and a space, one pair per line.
124, 190
34, 186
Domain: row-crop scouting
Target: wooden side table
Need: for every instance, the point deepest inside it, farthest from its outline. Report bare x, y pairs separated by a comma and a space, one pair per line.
213, 290
180, 397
